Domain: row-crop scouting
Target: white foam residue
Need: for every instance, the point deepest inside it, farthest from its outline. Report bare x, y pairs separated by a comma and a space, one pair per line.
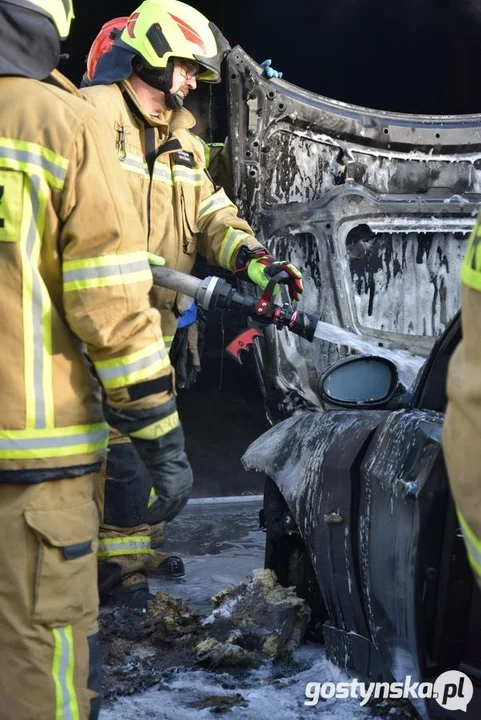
264, 693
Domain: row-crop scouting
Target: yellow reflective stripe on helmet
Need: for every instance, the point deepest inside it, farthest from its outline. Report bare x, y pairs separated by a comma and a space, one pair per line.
168, 340
33, 159
133, 368
152, 497
53, 442
215, 202
158, 428
105, 271
66, 704
232, 239
127, 545
192, 176
473, 544
471, 267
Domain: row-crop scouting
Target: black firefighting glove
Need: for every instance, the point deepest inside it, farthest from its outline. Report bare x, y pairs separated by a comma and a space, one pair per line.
260, 268
158, 437
186, 351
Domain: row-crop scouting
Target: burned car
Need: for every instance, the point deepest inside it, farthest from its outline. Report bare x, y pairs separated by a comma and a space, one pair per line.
359, 517
374, 207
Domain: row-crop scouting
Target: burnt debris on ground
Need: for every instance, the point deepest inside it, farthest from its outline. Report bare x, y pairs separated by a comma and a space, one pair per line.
256, 621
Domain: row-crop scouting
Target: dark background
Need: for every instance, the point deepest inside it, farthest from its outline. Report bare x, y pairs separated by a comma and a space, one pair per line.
420, 56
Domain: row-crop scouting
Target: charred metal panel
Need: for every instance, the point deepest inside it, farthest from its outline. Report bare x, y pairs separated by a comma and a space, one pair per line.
369, 494
374, 207
403, 521
315, 461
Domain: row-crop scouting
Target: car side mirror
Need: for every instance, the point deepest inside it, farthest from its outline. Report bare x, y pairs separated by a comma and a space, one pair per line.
361, 381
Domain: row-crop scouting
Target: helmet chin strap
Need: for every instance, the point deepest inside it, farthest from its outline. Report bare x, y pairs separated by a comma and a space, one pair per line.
174, 101
160, 80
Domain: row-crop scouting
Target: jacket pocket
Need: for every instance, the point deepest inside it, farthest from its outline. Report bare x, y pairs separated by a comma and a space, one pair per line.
189, 218
66, 580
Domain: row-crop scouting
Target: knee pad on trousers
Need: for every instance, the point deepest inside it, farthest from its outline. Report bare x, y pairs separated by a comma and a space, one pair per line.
127, 487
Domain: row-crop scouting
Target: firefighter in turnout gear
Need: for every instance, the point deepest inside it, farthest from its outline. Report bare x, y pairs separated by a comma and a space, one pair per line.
462, 425
140, 70
75, 311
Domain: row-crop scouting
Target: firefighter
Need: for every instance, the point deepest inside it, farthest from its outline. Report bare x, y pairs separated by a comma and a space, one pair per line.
75, 310
462, 425
156, 58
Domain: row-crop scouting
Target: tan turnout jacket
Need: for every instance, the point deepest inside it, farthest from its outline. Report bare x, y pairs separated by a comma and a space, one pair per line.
74, 276
182, 211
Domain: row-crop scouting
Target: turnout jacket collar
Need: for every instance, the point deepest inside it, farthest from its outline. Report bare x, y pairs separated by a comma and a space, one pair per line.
168, 121
56, 78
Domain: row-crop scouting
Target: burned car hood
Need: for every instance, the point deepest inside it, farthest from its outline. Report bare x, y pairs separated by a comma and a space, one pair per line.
374, 207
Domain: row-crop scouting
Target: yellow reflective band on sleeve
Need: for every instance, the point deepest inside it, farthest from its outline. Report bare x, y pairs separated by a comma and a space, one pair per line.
127, 545
66, 704
471, 267
232, 240
53, 442
130, 369
33, 159
192, 176
217, 201
152, 497
473, 545
158, 428
106, 271
168, 340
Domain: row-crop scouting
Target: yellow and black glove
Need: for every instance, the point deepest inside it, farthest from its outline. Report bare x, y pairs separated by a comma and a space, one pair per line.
259, 267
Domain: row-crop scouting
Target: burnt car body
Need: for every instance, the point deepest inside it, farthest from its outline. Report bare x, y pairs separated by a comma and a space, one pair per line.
359, 517
374, 207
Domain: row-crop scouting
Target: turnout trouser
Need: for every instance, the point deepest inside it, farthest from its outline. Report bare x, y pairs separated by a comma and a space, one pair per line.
124, 494
49, 655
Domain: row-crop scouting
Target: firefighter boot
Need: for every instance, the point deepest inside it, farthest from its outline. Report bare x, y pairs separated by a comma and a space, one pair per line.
170, 566
117, 589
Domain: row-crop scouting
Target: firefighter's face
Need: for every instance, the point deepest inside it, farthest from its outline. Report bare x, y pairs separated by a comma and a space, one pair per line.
184, 77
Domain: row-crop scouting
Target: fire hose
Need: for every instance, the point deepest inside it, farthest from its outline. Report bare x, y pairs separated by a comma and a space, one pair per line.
214, 294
